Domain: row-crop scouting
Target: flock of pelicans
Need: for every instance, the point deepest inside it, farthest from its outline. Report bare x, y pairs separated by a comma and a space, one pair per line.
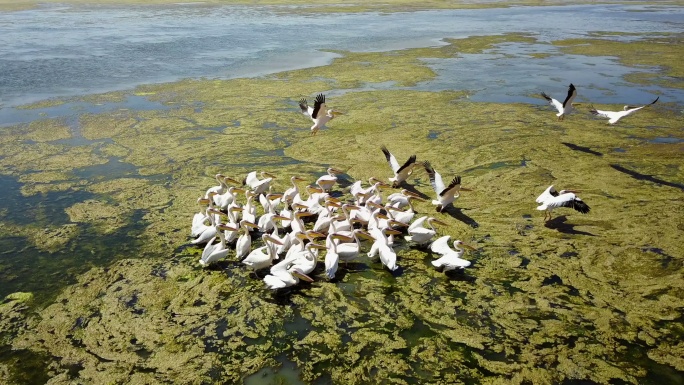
293, 230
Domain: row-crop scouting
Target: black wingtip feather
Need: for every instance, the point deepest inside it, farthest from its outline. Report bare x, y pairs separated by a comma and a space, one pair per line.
580, 206
386, 152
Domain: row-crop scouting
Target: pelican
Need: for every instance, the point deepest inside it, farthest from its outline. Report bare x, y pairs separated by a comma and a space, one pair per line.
614, 116
362, 194
332, 257
290, 193
420, 234
551, 199
400, 172
262, 257
249, 209
565, 107
349, 251
222, 186
381, 246
318, 113
244, 242
403, 199
326, 182
445, 195
199, 218
285, 274
258, 185
224, 200
214, 252
451, 259
210, 231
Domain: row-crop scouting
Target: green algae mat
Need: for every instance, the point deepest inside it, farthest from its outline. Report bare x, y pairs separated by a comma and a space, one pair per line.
116, 294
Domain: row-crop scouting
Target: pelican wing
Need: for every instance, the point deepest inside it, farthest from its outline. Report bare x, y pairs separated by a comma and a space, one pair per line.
304, 105
441, 245
646, 105
605, 114
319, 104
453, 187
558, 105
435, 178
572, 92
409, 162
390, 159
568, 200
549, 193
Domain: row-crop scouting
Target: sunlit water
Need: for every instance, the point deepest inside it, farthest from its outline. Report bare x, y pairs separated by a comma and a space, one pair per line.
60, 51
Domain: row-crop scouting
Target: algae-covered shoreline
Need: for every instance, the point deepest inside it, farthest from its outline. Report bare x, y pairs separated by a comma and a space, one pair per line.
595, 298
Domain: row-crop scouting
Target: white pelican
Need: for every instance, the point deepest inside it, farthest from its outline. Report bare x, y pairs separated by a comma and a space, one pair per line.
285, 274
446, 195
402, 199
226, 199
244, 242
214, 252
420, 234
210, 231
565, 107
614, 116
381, 246
326, 182
318, 113
400, 172
258, 185
332, 257
262, 257
249, 209
298, 241
290, 193
222, 186
199, 218
349, 251
451, 259
233, 221
551, 199
325, 217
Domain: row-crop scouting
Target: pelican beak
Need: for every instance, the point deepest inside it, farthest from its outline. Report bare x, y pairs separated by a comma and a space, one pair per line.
274, 195
203, 201
397, 223
282, 218
239, 190
226, 228
366, 235
236, 208
301, 275
312, 189
304, 214
373, 204
573, 191
391, 231
465, 189
212, 193
252, 225
468, 246
342, 238
437, 221
337, 113
318, 246
336, 170
268, 175
230, 180
299, 178
332, 199
314, 234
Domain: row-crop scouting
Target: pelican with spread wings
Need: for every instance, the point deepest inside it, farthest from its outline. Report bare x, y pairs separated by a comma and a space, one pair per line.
318, 114
400, 172
565, 107
614, 116
446, 195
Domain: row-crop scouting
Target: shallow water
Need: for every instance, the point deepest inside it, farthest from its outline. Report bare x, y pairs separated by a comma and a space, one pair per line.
75, 50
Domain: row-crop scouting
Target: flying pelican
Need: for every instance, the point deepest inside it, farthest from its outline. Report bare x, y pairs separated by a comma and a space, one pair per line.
551, 199
326, 182
257, 185
451, 259
445, 195
420, 234
614, 116
565, 107
262, 257
214, 252
318, 113
400, 172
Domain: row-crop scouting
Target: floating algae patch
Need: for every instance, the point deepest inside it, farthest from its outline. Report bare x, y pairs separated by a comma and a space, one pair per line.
107, 218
